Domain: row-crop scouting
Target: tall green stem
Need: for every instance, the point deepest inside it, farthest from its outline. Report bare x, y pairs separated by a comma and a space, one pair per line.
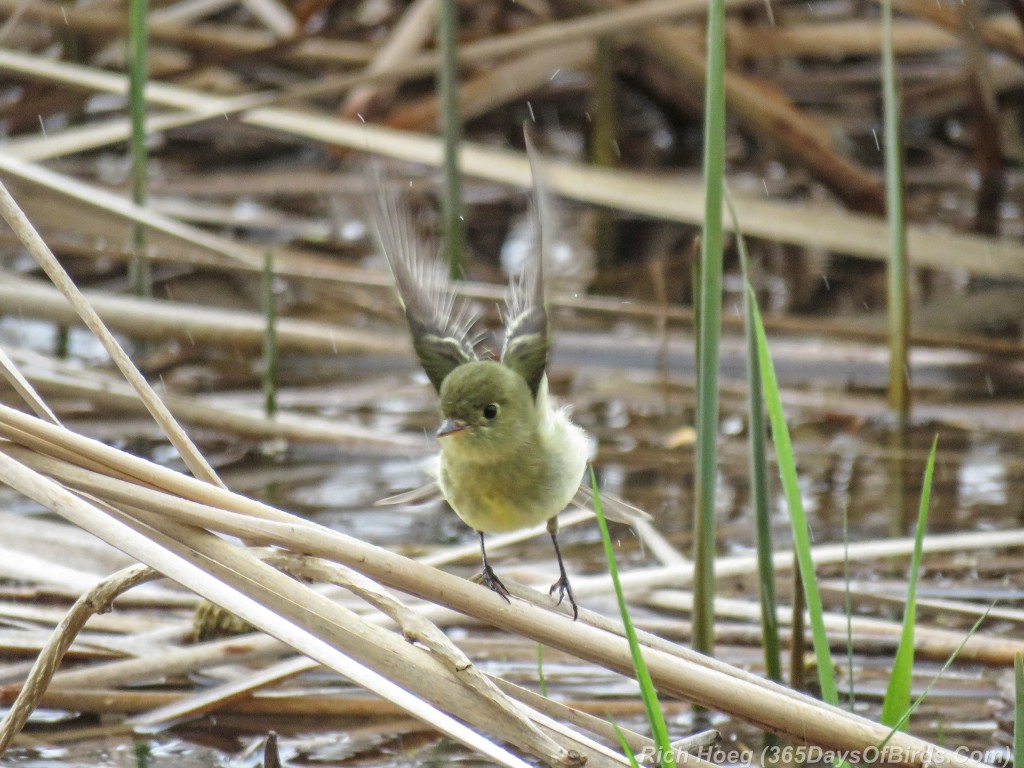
269, 301
139, 275
451, 131
899, 313
758, 433
708, 334
602, 143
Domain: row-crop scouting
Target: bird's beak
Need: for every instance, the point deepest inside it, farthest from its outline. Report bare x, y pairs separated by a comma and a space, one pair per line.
450, 427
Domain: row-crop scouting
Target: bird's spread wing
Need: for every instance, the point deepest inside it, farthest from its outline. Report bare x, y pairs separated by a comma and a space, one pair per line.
526, 319
440, 330
613, 507
430, 491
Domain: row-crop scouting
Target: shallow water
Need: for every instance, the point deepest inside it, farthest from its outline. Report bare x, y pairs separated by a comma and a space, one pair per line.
860, 480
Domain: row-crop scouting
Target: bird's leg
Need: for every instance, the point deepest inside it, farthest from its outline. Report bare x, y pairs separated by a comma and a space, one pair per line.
562, 585
489, 578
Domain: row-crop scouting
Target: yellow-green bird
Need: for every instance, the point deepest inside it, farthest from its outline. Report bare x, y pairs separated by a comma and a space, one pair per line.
509, 457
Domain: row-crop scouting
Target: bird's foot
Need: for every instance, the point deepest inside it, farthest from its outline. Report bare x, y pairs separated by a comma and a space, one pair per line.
564, 591
490, 580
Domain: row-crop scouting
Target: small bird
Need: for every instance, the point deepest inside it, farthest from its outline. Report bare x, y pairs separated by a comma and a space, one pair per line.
509, 458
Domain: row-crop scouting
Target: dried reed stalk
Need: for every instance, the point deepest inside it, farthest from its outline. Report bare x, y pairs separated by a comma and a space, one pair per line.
194, 323
209, 566
682, 674
678, 199
96, 600
23, 228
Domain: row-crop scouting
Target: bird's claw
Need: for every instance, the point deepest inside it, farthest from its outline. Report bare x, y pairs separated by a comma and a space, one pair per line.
490, 580
564, 591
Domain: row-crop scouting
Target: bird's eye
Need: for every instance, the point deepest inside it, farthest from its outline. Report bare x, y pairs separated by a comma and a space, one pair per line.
490, 411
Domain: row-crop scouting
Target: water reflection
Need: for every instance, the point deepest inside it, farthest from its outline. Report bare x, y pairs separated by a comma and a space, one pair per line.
982, 477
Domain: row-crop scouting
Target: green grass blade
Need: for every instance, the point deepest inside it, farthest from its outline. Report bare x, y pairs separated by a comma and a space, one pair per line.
269, 335
625, 745
938, 676
659, 732
797, 518
142, 753
897, 693
1018, 709
709, 330
451, 132
759, 474
138, 72
797, 631
898, 298
848, 609
603, 127
139, 274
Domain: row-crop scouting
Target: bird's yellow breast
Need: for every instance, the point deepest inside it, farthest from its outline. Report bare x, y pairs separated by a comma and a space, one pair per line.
520, 490
494, 501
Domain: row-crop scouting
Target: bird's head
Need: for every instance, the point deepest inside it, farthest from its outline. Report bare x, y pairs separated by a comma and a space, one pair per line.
487, 410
